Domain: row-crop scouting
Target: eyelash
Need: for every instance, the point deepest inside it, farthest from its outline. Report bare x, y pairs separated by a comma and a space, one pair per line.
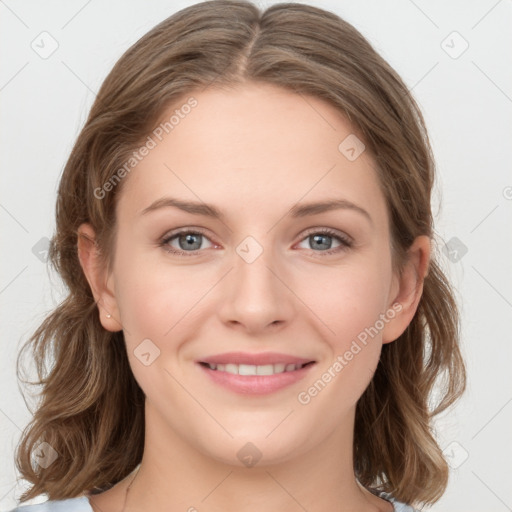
346, 242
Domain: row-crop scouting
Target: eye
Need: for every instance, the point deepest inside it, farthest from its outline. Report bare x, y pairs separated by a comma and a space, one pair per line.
322, 239
189, 242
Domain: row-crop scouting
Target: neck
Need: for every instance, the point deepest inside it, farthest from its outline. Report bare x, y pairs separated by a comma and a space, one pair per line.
175, 476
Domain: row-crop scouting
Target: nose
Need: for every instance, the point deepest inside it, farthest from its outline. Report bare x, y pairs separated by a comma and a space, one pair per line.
256, 295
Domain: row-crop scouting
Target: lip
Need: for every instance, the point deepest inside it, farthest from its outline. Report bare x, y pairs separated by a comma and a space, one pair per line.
255, 384
254, 359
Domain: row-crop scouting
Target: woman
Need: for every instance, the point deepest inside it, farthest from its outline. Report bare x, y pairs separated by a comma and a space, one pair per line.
255, 318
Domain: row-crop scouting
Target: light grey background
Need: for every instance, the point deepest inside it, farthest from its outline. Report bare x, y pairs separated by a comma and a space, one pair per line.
467, 102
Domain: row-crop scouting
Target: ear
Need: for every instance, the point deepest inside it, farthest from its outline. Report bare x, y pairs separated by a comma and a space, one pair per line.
102, 286
407, 289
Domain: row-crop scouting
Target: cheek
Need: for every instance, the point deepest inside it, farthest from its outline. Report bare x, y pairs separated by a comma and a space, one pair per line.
153, 297
151, 302
167, 303
346, 299
350, 304
153, 308
152, 291
164, 303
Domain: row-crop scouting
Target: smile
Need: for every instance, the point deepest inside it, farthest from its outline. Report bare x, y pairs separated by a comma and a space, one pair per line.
255, 374
250, 369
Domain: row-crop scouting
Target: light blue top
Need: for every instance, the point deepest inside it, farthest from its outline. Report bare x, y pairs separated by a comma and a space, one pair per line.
81, 504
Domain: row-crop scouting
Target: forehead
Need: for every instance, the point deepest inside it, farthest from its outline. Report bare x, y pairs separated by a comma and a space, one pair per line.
254, 144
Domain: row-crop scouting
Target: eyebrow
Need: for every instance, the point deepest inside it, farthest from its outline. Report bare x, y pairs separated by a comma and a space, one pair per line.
297, 211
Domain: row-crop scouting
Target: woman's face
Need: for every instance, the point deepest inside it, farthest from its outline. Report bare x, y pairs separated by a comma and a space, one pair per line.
260, 278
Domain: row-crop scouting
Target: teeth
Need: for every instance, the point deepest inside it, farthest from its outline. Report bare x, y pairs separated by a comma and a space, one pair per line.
231, 368
279, 368
250, 369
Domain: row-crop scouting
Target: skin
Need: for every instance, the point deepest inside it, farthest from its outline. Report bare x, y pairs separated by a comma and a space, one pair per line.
253, 151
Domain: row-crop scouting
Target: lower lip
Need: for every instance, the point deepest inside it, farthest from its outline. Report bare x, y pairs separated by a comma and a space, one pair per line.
256, 384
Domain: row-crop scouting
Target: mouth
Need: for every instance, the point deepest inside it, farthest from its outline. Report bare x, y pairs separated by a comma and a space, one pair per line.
255, 374
251, 369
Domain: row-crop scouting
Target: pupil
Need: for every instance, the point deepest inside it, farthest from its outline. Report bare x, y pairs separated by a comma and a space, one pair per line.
319, 238
189, 241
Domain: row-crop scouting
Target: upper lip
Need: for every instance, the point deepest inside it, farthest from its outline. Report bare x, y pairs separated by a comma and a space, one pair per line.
262, 358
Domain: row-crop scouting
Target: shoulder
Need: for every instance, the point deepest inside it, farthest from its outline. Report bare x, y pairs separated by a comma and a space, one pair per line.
402, 507
398, 506
79, 504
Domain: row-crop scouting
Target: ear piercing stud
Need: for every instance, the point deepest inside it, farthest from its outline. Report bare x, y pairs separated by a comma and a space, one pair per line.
109, 315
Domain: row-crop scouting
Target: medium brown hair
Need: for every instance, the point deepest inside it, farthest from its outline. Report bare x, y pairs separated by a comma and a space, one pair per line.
92, 409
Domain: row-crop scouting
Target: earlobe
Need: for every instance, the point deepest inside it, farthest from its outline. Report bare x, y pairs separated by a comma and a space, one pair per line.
410, 289
101, 286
